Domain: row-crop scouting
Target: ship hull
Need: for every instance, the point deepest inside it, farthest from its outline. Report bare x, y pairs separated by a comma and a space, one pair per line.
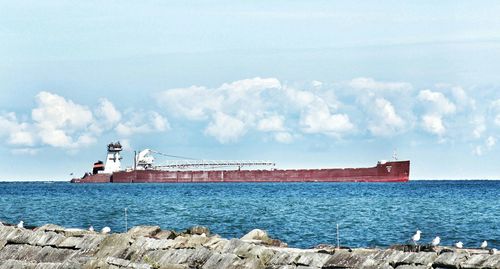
95, 178
397, 171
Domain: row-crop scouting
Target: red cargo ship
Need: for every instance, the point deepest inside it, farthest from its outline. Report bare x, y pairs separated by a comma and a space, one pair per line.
185, 171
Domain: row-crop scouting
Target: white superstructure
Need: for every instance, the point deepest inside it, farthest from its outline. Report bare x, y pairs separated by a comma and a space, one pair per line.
113, 160
144, 160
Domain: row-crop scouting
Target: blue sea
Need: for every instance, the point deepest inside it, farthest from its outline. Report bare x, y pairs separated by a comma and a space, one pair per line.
300, 214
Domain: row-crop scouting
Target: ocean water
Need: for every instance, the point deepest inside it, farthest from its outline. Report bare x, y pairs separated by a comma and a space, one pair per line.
300, 214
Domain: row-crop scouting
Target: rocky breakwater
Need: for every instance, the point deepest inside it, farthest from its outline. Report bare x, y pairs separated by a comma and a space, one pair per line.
146, 247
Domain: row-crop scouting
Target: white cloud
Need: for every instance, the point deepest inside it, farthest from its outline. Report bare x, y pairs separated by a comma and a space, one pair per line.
316, 83
57, 119
126, 144
436, 102
271, 124
107, 112
479, 126
25, 151
248, 104
253, 84
437, 106
319, 119
462, 98
495, 110
385, 121
55, 112
225, 128
141, 123
363, 83
193, 103
62, 123
18, 133
433, 124
283, 137
491, 142
478, 151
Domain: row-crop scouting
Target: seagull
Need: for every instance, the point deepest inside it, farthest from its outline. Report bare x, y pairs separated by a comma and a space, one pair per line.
105, 230
459, 244
416, 237
436, 241
20, 224
91, 228
484, 244
493, 251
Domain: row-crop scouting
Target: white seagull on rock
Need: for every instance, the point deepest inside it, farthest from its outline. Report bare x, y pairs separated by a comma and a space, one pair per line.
105, 230
459, 244
416, 236
484, 244
436, 241
91, 228
20, 224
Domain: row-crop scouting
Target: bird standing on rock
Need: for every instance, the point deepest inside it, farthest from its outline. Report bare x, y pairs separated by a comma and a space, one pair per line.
105, 230
416, 237
459, 244
91, 228
484, 244
20, 224
436, 241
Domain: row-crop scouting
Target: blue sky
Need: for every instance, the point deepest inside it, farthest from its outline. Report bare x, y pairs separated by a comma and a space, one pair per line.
302, 83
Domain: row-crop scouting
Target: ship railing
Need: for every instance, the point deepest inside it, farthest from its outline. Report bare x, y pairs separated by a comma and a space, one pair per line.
211, 164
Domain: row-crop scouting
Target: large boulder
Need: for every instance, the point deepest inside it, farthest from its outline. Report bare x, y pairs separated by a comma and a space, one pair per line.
148, 231
198, 230
259, 236
255, 234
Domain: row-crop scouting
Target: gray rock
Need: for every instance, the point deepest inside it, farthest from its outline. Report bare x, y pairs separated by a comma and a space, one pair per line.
313, 259
216, 243
145, 247
419, 258
139, 231
114, 245
193, 258
198, 230
450, 259
405, 266
50, 228
345, 259
49, 265
19, 236
19, 252
54, 255
231, 261
493, 261
15, 264
475, 261
166, 234
77, 232
40, 238
256, 234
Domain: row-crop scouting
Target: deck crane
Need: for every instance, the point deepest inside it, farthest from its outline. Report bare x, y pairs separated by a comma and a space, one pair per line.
144, 160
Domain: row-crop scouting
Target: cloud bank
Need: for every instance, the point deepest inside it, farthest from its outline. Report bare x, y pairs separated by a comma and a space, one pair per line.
362, 108
61, 123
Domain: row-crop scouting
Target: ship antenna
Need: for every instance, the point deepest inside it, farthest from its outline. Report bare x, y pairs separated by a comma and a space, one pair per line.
395, 155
